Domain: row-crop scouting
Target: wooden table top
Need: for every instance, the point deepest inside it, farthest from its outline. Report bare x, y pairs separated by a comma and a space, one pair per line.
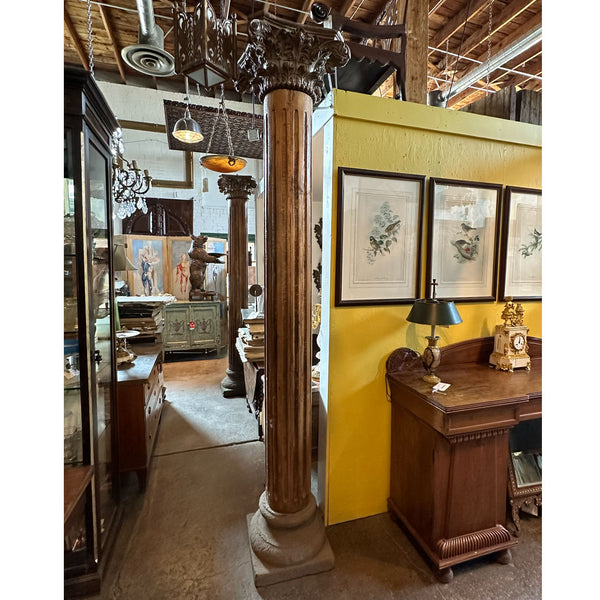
480, 397
141, 367
474, 385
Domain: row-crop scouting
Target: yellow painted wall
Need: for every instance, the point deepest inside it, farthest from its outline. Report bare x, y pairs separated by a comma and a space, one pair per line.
387, 135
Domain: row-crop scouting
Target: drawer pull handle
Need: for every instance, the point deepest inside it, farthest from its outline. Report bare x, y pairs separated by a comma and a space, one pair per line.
149, 409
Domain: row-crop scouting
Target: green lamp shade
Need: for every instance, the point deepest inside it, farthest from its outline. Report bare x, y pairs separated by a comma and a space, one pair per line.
434, 312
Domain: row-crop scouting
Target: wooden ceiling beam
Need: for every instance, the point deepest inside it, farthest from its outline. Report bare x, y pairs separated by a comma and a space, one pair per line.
527, 29
500, 21
76, 41
305, 7
113, 41
434, 6
529, 26
347, 8
456, 22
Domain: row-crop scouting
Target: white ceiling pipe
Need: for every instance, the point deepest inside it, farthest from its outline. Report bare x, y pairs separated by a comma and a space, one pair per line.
521, 45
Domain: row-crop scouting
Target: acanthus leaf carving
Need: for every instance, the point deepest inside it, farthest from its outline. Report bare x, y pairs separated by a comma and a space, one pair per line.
285, 55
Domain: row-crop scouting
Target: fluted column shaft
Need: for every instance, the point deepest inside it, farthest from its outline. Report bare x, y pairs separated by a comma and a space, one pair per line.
288, 136
237, 189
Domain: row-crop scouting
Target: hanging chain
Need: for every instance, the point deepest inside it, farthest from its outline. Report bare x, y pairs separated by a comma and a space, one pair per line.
489, 52
221, 112
90, 38
447, 65
226, 119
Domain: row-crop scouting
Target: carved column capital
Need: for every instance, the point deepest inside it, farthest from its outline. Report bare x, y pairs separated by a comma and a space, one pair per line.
284, 55
236, 186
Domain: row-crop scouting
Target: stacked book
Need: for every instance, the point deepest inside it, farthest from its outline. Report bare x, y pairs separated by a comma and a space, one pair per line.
143, 313
252, 335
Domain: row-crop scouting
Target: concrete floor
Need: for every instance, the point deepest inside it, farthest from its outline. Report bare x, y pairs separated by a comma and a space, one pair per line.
185, 537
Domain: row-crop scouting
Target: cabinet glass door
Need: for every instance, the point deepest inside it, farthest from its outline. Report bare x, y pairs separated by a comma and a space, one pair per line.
100, 330
73, 455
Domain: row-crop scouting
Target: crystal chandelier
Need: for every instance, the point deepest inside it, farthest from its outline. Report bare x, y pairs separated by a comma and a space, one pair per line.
129, 183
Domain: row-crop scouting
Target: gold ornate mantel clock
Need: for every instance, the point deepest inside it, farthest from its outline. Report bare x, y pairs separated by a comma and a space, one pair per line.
510, 340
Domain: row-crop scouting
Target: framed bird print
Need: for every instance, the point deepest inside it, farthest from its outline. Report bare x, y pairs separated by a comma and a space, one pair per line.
379, 225
463, 229
521, 253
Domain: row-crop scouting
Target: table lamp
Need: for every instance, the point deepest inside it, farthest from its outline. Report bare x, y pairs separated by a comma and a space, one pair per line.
431, 311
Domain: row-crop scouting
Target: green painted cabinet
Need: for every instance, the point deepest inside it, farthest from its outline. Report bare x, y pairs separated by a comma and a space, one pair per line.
192, 326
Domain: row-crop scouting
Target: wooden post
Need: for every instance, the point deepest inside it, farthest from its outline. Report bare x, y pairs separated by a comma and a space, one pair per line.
237, 188
283, 65
417, 36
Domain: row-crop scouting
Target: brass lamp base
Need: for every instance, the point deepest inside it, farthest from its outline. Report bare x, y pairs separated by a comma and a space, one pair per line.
431, 359
431, 378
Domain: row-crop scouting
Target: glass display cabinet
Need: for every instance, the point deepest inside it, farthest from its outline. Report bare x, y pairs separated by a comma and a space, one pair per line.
90, 429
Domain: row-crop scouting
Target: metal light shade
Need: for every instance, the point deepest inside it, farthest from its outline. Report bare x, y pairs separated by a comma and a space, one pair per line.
434, 312
205, 50
187, 130
221, 163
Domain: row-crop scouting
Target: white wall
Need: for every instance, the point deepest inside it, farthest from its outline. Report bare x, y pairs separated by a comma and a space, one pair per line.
211, 212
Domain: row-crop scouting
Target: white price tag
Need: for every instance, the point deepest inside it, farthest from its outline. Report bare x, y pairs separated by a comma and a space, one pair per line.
441, 387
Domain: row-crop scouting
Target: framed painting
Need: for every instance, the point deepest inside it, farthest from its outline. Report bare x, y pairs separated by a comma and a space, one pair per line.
521, 253
463, 230
147, 144
148, 254
379, 235
178, 267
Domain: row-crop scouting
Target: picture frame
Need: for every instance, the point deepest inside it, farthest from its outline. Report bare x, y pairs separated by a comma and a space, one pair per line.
379, 237
148, 253
463, 230
147, 144
177, 266
521, 252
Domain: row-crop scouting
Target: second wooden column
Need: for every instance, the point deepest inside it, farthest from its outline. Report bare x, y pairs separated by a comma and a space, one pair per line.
237, 188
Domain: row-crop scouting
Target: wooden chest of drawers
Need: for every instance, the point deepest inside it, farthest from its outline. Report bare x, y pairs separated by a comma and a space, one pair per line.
141, 394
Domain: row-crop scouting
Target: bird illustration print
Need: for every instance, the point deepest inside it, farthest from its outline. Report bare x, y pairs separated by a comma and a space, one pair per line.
384, 233
535, 244
466, 243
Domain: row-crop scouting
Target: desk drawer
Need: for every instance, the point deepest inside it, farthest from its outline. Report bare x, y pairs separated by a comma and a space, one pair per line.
153, 413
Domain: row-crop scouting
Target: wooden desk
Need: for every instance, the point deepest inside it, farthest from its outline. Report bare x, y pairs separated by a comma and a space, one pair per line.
449, 453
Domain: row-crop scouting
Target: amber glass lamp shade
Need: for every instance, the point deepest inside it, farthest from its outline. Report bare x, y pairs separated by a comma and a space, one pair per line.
222, 163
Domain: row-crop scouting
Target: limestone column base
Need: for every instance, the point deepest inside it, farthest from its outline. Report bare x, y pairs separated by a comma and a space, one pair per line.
287, 546
233, 385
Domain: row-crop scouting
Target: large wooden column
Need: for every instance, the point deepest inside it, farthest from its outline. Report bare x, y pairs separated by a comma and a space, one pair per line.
284, 64
237, 188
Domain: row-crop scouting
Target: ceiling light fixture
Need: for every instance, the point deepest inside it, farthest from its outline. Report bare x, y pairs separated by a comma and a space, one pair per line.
222, 163
186, 129
205, 44
129, 184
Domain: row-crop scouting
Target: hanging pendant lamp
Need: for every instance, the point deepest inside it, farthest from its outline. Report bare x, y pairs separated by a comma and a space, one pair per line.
222, 163
186, 129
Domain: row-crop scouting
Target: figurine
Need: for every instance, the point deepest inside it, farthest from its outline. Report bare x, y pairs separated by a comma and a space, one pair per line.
199, 259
